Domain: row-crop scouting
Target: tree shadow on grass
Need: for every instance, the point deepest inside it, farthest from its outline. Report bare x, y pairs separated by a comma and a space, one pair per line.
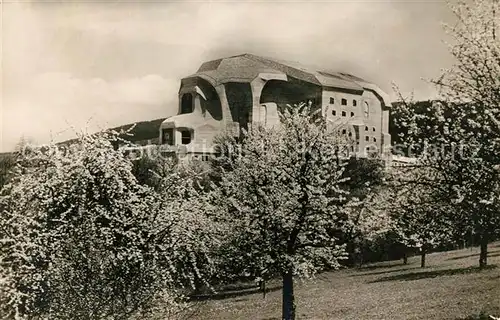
379, 266
493, 254
382, 272
431, 274
232, 293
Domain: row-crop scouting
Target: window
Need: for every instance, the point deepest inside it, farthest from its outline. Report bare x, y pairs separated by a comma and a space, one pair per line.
374, 139
332, 100
352, 114
167, 136
185, 137
334, 113
344, 113
367, 138
344, 102
350, 134
366, 128
354, 103
344, 131
186, 103
366, 109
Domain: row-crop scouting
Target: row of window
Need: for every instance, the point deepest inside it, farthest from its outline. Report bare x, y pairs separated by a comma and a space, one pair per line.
168, 136
344, 101
366, 112
367, 138
344, 113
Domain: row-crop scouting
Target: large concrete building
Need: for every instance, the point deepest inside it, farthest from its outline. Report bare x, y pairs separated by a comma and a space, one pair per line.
236, 92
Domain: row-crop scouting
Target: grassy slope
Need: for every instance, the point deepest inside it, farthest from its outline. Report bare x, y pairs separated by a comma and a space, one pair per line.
450, 287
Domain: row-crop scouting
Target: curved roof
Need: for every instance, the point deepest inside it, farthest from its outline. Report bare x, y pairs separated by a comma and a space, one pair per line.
246, 67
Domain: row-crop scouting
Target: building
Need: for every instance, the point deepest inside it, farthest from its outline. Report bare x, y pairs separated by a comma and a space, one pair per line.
236, 92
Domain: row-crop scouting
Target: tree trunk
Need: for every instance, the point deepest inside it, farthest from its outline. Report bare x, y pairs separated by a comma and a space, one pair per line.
288, 296
471, 240
405, 254
423, 250
483, 254
360, 256
263, 288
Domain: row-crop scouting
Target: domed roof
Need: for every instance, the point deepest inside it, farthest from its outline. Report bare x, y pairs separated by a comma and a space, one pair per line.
246, 67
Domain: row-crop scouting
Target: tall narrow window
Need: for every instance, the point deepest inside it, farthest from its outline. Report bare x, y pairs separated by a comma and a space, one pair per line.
186, 103
332, 100
352, 114
186, 137
334, 113
366, 109
344, 102
354, 103
343, 114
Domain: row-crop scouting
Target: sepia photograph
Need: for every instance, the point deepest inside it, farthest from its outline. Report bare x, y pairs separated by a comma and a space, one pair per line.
250, 159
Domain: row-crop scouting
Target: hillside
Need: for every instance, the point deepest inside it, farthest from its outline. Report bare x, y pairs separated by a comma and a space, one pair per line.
144, 130
451, 287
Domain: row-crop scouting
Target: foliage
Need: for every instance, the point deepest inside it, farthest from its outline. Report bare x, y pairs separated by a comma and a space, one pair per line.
7, 162
459, 143
420, 218
411, 123
365, 206
475, 77
183, 190
81, 238
283, 195
283, 199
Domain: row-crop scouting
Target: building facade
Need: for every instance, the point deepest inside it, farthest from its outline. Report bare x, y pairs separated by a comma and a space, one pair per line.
234, 93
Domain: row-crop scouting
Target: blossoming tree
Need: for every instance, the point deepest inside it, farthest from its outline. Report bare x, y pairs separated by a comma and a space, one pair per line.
472, 85
82, 239
284, 197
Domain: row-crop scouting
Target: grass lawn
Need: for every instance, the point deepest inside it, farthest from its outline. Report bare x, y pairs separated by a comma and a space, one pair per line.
450, 287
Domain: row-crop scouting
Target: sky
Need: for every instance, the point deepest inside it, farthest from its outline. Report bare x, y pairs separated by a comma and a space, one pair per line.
76, 66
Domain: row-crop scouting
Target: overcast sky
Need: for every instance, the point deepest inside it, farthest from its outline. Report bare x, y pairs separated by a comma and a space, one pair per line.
83, 65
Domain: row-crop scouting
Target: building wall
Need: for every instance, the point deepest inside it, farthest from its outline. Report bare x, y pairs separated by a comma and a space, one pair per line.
337, 107
374, 120
290, 92
203, 123
233, 106
239, 99
369, 127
